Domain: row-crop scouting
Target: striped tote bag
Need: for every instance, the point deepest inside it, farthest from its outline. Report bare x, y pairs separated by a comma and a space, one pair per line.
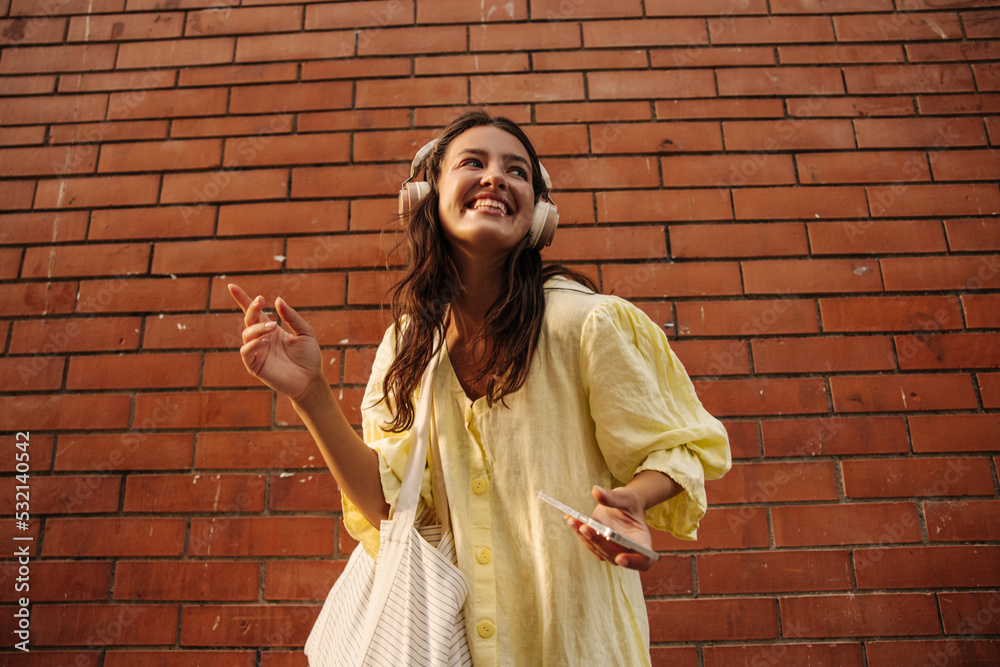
406, 608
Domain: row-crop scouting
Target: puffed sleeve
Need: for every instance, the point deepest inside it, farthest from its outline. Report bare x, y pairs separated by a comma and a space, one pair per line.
646, 413
392, 449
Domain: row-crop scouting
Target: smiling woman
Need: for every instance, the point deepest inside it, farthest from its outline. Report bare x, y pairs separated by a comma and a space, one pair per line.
541, 384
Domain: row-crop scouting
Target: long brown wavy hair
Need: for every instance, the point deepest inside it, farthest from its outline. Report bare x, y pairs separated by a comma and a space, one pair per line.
430, 284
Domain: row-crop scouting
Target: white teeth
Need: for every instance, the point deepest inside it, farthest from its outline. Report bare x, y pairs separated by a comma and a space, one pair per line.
490, 203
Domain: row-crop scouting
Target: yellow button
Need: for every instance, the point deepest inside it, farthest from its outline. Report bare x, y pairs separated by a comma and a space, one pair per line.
479, 485
486, 628
484, 555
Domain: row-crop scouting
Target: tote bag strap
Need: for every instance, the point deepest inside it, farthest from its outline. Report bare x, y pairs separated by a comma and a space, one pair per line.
416, 460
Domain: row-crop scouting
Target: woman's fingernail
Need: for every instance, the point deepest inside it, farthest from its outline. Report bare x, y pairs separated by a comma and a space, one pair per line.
270, 326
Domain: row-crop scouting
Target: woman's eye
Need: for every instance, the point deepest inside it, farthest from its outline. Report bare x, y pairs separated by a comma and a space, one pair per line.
472, 162
520, 172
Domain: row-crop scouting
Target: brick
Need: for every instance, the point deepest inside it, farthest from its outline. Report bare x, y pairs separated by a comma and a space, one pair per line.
292, 46
414, 92
806, 276
824, 616
131, 451
944, 351
982, 311
180, 658
176, 53
712, 357
788, 134
301, 580
773, 396
413, 40
974, 612
161, 156
862, 167
989, 388
102, 537
174, 103
658, 84
344, 181
706, 241
307, 217
924, 476
32, 374
359, 14
53, 109
913, 78
108, 131
841, 53
510, 88
746, 317
202, 409
30, 7
161, 223
930, 567
46, 161
690, 620
226, 370
22, 136
190, 580
35, 85
842, 654
966, 165
559, 10
125, 27
896, 313
211, 256
145, 371
987, 76
662, 206
823, 355
773, 572
941, 273
972, 235
62, 581
367, 250
59, 336
270, 450
603, 172
919, 133
795, 203
19, 31
89, 260
771, 81
954, 433
707, 8
898, 27
671, 280
97, 191
249, 625
72, 494
894, 652
760, 483
301, 291
366, 68
538, 36
236, 74
304, 493
185, 331
622, 137
135, 82
268, 150
236, 126
829, 6
370, 288
62, 58
242, 20
770, 30
69, 625
583, 60
962, 521
618, 243
224, 185
388, 146
876, 237
709, 56
725, 171
578, 112
350, 327
843, 524
469, 64
228, 494
743, 439
644, 32
261, 536
154, 295
835, 436
902, 393
48, 298
980, 24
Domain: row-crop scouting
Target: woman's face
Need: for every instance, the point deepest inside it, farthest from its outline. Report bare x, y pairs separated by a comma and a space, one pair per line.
486, 199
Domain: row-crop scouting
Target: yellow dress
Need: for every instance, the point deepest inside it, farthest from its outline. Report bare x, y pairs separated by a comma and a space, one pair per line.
605, 399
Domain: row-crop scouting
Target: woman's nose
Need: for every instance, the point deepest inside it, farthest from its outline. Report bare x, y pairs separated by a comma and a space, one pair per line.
494, 177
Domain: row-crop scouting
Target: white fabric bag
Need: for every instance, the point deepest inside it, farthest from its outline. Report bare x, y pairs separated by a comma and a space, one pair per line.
406, 608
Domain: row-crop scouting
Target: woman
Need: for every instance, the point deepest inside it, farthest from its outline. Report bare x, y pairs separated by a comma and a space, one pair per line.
542, 385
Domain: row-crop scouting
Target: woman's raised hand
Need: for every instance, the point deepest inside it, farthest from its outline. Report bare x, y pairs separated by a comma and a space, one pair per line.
288, 362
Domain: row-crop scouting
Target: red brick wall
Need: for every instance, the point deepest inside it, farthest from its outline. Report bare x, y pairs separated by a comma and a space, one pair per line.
804, 191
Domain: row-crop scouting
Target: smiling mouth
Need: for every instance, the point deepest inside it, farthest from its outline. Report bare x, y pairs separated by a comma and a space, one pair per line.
490, 206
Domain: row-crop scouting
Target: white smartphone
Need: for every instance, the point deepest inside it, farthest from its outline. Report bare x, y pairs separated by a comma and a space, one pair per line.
604, 531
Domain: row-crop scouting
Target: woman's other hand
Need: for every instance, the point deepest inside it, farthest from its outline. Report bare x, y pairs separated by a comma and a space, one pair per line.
621, 510
288, 362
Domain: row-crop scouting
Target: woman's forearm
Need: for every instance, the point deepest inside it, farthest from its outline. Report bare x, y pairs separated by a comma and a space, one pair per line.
353, 464
652, 487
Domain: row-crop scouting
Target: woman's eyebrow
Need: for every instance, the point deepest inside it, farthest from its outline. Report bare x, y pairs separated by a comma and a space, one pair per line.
509, 157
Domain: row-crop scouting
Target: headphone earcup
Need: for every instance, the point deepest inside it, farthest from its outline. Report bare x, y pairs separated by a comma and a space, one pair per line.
543, 224
410, 196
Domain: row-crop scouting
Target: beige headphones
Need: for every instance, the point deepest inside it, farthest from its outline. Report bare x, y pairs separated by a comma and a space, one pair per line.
543, 224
